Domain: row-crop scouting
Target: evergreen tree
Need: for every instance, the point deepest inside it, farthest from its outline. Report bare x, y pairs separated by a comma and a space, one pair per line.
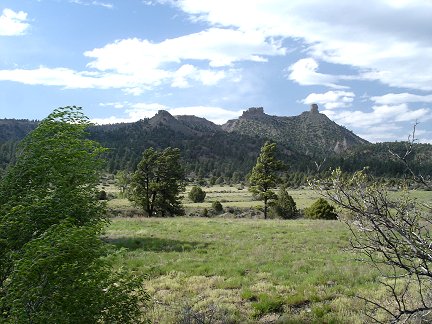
158, 181
264, 176
197, 194
284, 206
321, 209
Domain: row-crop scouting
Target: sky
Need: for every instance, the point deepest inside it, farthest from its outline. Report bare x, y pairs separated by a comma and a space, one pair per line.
366, 63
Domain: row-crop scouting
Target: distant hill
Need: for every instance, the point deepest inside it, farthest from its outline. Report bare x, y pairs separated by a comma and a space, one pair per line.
230, 150
311, 133
15, 129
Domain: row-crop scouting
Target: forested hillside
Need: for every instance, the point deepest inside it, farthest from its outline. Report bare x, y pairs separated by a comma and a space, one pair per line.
229, 151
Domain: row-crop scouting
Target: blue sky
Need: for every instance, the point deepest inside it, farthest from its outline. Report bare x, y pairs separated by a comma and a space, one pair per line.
367, 64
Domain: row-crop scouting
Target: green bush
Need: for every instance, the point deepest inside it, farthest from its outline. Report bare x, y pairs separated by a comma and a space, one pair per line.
284, 206
197, 194
217, 206
321, 209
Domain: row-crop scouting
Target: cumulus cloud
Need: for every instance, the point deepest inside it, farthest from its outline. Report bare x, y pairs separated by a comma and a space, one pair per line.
385, 40
398, 98
331, 99
379, 115
136, 65
13, 23
217, 46
137, 111
304, 72
382, 122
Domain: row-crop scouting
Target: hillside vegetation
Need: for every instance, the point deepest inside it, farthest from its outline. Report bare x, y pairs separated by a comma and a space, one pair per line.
229, 151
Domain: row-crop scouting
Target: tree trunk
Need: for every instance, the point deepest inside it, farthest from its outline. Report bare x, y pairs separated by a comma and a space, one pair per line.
265, 208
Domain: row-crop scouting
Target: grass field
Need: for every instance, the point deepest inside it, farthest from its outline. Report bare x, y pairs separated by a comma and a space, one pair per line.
245, 270
229, 196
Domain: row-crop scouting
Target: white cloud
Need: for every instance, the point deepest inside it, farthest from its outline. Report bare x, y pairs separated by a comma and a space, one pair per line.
385, 40
379, 115
331, 99
139, 111
219, 47
136, 66
398, 98
304, 72
381, 123
13, 23
93, 3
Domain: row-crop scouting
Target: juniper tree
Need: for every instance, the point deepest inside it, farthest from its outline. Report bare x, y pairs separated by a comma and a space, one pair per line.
158, 181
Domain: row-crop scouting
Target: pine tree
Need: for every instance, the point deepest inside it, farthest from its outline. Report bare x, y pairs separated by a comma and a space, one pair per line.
264, 176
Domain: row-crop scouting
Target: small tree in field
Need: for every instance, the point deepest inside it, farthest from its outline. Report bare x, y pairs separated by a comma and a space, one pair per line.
217, 206
284, 206
321, 209
264, 176
197, 194
158, 181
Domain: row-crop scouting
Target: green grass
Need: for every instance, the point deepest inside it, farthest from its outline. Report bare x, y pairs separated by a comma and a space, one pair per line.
242, 270
228, 196
246, 270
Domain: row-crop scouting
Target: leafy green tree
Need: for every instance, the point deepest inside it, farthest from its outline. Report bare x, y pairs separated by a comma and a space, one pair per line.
264, 176
50, 222
63, 277
55, 178
158, 181
284, 206
197, 194
321, 209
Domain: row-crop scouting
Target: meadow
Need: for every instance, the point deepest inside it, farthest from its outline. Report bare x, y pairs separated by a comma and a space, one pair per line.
234, 268
245, 270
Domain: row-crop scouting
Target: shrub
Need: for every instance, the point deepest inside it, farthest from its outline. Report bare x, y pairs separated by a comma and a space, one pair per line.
321, 209
284, 206
197, 194
217, 206
102, 195
205, 212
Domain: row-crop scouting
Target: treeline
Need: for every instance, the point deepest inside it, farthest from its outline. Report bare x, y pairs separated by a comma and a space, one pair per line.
223, 157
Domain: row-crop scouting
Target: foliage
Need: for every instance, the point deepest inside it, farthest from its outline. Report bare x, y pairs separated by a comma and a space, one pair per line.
54, 178
321, 209
264, 176
394, 234
158, 181
63, 277
284, 206
217, 206
49, 214
197, 194
123, 181
232, 155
